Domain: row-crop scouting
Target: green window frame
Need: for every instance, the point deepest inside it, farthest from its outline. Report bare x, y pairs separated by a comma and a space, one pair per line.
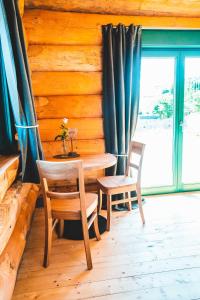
170, 39
179, 44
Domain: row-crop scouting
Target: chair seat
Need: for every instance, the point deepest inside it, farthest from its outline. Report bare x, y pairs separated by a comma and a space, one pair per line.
69, 209
116, 184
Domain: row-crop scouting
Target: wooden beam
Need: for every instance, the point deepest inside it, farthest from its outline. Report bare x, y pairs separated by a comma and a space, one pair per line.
62, 28
69, 106
66, 83
64, 58
122, 7
48, 21
88, 128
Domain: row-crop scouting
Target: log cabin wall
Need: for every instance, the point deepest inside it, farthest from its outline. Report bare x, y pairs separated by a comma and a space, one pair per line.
66, 68
65, 51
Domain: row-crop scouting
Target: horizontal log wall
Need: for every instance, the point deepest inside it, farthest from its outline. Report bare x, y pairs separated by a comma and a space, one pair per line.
65, 53
87, 128
66, 80
189, 8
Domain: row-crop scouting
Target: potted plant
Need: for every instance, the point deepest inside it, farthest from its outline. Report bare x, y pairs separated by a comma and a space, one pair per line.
65, 135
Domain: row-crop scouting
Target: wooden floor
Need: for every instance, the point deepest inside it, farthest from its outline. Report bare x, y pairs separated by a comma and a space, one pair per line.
160, 261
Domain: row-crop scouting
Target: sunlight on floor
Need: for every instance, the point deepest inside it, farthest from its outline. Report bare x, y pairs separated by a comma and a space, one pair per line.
157, 261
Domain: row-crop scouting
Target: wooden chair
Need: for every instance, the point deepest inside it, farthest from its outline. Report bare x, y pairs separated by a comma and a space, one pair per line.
67, 206
112, 185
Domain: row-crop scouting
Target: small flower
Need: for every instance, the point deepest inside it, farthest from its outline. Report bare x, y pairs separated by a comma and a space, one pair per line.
65, 120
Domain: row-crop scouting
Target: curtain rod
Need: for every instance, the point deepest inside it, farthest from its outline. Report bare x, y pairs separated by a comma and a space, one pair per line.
157, 28
126, 26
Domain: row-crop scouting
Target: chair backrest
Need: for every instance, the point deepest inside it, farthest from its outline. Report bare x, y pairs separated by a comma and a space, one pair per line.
60, 171
65, 170
135, 158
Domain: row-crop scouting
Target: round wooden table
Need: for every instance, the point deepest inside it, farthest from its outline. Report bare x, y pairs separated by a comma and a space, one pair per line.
91, 162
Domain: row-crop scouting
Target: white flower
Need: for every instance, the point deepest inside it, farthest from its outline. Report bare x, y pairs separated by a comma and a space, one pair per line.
65, 120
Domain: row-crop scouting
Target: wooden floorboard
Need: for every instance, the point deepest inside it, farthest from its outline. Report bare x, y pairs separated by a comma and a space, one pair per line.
158, 261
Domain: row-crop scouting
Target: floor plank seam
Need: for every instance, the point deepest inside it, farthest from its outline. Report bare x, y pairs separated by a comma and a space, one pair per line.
118, 278
134, 276
128, 290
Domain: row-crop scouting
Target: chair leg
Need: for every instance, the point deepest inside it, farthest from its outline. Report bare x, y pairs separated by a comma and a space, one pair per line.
48, 241
109, 209
100, 201
96, 228
86, 243
139, 198
60, 228
128, 195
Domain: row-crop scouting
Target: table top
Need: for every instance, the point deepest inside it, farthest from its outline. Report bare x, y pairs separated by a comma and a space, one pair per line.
94, 161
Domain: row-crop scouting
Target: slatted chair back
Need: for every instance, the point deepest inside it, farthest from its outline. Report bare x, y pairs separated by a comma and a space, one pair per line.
135, 159
60, 171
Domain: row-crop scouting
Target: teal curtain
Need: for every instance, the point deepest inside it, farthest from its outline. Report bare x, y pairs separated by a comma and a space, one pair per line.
19, 88
8, 144
121, 87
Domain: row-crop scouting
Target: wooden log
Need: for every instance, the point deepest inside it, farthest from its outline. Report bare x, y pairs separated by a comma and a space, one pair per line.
11, 256
81, 146
9, 265
48, 27
59, 36
69, 106
66, 83
64, 58
8, 172
88, 128
3, 186
124, 7
65, 20
21, 7
62, 28
9, 211
45, 27
12, 202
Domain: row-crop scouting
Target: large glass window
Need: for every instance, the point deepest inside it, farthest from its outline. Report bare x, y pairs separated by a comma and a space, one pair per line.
191, 122
169, 120
155, 121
